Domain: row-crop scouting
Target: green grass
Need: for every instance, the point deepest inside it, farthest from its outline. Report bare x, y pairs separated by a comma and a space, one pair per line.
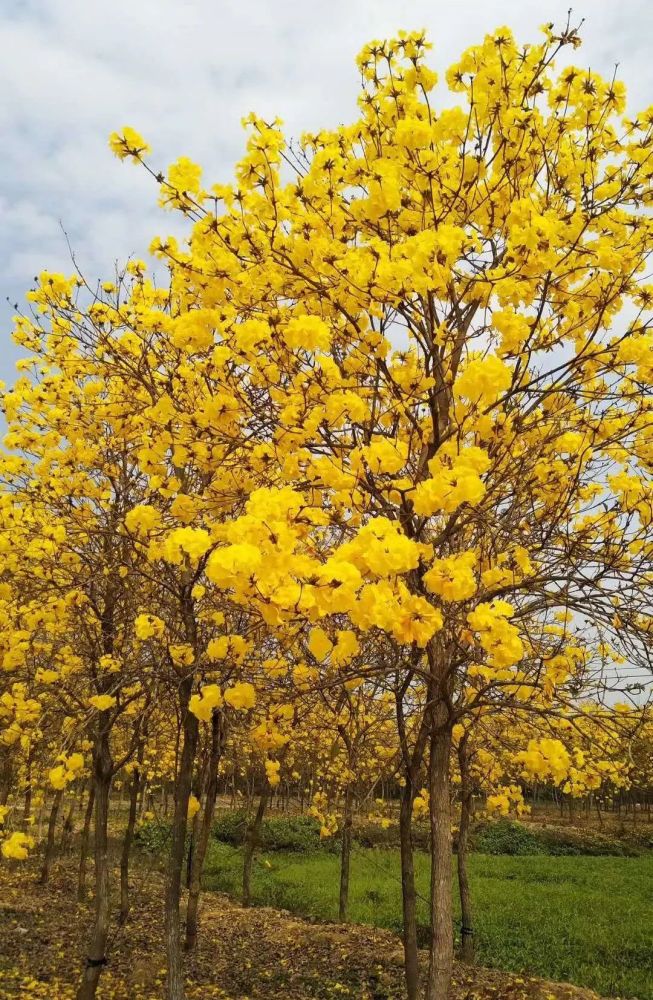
585, 920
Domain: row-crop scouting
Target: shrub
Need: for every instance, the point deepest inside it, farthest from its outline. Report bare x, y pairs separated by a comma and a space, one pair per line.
278, 833
230, 827
591, 843
290, 833
153, 836
374, 835
506, 837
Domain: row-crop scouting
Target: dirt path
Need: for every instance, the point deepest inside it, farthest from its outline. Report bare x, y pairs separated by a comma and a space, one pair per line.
256, 954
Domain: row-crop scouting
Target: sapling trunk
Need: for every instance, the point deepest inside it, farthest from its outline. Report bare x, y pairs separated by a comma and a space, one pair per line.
204, 832
467, 948
6, 775
190, 725
441, 949
96, 956
252, 836
27, 807
345, 854
129, 837
50, 846
408, 893
68, 825
83, 849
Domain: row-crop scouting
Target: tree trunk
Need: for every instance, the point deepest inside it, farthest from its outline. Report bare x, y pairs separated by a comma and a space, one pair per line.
345, 855
467, 927
194, 831
83, 850
176, 860
409, 898
6, 775
96, 957
68, 825
204, 832
598, 813
140, 809
441, 950
251, 841
27, 807
27, 803
50, 849
129, 837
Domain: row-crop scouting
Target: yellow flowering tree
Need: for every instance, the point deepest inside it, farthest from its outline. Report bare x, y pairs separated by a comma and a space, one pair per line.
432, 309
396, 387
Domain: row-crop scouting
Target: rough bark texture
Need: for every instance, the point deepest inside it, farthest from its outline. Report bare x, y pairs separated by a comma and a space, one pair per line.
27, 807
6, 775
129, 837
27, 802
83, 849
409, 899
345, 854
251, 842
466, 925
68, 827
204, 832
190, 727
412, 757
50, 846
441, 950
96, 957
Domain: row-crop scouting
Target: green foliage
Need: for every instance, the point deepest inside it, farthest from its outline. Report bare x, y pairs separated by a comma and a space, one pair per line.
230, 826
374, 835
581, 919
507, 837
592, 843
517, 839
278, 833
302, 834
153, 836
291, 833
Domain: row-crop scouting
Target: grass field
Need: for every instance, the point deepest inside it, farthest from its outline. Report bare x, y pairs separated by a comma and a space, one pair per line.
584, 920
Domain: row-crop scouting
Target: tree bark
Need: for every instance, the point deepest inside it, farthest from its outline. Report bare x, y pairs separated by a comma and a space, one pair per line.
6, 775
412, 759
467, 947
204, 832
140, 809
50, 848
441, 950
27, 807
409, 897
83, 850
129, 836
345, 855
68, 825
251, 841
598, 813
197, 787
183, 783
27, 803
96, 957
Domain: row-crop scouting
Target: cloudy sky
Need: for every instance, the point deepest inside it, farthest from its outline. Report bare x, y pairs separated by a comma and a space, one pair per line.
184, 72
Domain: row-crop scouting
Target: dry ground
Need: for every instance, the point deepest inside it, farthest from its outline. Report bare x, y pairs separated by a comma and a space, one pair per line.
259, 954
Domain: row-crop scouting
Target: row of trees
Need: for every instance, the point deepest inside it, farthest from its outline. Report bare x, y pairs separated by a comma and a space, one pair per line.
364, 485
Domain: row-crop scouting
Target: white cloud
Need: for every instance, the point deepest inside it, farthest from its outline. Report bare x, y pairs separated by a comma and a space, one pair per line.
184, 72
